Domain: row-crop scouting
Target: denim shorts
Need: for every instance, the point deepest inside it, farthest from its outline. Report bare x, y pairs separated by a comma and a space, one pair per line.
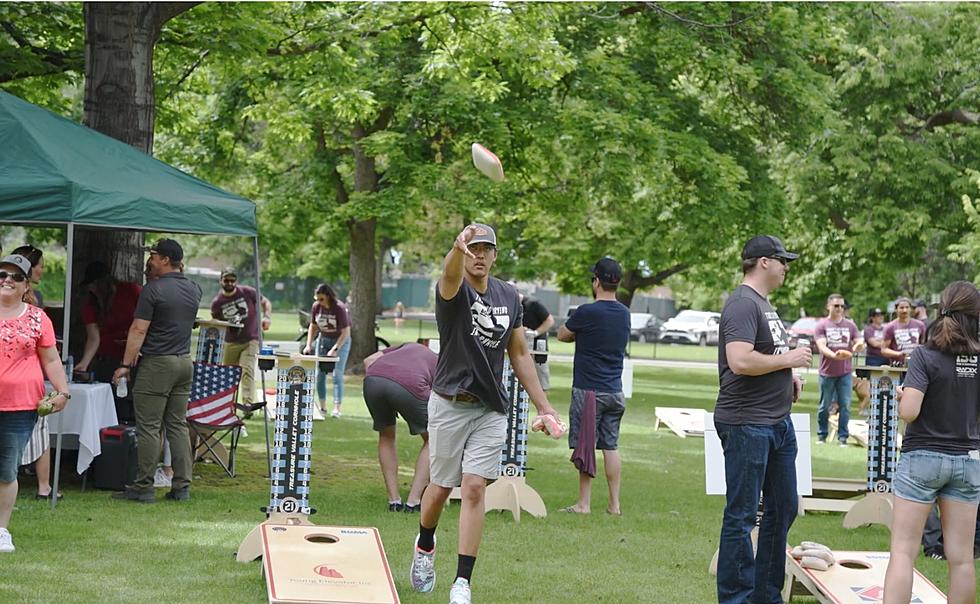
15, 431
922, 476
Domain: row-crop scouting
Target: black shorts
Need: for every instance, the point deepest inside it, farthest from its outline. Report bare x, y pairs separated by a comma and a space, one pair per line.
387, 399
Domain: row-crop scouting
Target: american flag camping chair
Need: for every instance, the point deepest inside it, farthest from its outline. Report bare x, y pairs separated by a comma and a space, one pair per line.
211, 413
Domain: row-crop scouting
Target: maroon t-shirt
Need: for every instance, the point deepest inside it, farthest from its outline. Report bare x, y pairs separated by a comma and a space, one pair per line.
114, 328
877, 332
411, 365
905, 338
331, 321
240, 307
840, 335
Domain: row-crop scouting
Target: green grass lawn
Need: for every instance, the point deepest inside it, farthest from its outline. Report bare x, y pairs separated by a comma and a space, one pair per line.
93, 549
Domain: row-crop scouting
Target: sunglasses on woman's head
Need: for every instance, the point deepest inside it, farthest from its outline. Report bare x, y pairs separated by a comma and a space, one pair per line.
18, 277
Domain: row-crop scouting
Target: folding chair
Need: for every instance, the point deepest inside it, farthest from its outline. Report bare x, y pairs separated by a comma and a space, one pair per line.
211, 414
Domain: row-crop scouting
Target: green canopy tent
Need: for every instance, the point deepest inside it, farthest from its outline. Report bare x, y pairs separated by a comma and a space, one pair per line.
56, 172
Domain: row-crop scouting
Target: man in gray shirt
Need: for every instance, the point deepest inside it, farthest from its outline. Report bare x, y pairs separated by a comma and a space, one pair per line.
479, 317
757, 390
160, 337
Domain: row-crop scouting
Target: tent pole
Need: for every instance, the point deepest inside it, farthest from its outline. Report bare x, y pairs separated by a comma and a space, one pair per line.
65, 331
265, 409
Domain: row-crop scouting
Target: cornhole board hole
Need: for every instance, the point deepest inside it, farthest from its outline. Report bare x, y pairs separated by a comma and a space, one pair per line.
335, 564
857, 578
682, 422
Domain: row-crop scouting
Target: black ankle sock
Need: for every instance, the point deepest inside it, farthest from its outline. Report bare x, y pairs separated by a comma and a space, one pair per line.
427, 538
464, 567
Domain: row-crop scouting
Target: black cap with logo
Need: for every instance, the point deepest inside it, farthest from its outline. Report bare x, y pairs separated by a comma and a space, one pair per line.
607, 270
169, 248
767, 246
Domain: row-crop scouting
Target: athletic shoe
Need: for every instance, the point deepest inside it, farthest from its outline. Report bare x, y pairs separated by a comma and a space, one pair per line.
843, 443
335, 413
423, 571
160, 479
183, 494
412, 509
395, 506
460, 593
6, 541
936, 553
317, 415
821, 440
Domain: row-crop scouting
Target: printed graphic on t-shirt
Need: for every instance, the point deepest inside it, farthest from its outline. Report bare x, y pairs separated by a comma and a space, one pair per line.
235, 311
326, 322
906, 338
779, 337
489, 323
966, 366
838, 337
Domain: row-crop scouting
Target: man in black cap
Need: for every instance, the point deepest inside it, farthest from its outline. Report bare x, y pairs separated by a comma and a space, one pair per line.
479, 317
752, 418
239, 304
160, 338
601, 331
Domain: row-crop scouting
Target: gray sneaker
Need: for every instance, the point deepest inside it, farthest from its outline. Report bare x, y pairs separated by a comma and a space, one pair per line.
423, 571
460, 593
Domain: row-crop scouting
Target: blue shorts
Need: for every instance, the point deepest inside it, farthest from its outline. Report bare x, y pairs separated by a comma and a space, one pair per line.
922, 476
15, 431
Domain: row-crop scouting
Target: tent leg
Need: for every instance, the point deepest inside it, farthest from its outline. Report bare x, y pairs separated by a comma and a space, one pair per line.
65, 338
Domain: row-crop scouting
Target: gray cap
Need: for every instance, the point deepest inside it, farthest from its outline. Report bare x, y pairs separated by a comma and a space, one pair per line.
484, 234
20, 262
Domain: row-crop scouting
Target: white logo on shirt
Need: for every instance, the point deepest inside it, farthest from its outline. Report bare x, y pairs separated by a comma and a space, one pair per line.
966, 366
489, 323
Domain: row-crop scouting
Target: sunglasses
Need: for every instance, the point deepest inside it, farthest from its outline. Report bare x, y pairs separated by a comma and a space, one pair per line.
782, 261
17, 277
837, 306
229, 280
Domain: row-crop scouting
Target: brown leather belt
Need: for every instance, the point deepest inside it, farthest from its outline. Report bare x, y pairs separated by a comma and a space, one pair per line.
461, 396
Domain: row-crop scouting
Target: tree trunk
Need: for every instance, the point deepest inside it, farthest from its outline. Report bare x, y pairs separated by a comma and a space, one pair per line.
363, 261
119, 102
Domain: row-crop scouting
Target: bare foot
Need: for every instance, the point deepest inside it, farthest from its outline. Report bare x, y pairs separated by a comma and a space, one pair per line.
574, 509
614, 511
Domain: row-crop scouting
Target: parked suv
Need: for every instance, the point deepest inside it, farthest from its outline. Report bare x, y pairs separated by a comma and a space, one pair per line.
645, 327
692, 327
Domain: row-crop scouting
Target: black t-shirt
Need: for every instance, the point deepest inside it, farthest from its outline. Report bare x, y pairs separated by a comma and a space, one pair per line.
474, 330
752, 399
947, 422
170, 305
534, 312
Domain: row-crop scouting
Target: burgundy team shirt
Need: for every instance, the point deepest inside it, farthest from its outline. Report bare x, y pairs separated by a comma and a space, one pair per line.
840, 335
905, 337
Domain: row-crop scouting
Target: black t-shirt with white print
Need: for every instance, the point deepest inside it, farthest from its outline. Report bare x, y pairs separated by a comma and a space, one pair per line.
474, 329
947, 422
752, 399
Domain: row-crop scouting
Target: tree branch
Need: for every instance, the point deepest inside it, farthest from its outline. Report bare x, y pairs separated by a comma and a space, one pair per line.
676, 17
54, 61
187, 73
953, 116
634, 280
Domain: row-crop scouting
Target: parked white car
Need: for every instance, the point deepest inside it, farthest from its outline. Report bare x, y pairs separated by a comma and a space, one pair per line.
692, 327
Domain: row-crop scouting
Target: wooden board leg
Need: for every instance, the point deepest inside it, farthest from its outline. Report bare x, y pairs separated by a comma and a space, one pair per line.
875, 508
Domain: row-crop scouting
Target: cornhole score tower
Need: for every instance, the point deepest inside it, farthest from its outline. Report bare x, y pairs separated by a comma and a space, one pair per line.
876, 506
303, 562
211, 340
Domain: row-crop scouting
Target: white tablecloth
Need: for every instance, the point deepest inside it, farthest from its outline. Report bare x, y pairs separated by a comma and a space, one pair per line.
90, 409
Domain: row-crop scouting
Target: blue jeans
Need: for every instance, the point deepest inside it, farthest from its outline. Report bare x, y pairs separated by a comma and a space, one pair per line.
325, 344
15, 431
758, 459
834, 389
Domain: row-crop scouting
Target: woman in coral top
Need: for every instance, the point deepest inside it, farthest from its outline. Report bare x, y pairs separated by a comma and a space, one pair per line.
27, 354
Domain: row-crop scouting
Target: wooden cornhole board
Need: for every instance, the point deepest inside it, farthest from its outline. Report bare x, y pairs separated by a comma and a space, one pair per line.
335, 564
857, 578
834, 494
682, 422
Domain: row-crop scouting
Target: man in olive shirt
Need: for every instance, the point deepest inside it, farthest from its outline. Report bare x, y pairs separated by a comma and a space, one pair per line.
160, 337
752, 417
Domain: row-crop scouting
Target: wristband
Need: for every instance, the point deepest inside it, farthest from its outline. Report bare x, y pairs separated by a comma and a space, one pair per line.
67, 395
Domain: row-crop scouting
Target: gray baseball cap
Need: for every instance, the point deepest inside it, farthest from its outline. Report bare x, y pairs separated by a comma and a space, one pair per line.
20, 262
484, 234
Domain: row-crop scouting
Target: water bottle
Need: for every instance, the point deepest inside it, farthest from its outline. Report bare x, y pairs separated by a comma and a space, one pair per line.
69, 368
122, 389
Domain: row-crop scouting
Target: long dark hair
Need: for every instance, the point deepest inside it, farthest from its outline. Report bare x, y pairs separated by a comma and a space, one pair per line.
326, 290
34, 256
955, 331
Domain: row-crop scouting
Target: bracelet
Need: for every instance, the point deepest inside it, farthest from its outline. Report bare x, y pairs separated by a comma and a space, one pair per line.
67, 395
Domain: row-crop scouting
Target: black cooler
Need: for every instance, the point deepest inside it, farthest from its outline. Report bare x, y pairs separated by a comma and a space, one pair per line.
116, 466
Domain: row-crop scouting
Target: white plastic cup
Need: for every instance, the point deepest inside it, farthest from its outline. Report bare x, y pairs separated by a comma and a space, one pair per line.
122, 389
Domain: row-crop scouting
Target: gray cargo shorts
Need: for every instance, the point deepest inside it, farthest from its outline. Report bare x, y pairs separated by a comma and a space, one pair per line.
464, 438
609, 410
